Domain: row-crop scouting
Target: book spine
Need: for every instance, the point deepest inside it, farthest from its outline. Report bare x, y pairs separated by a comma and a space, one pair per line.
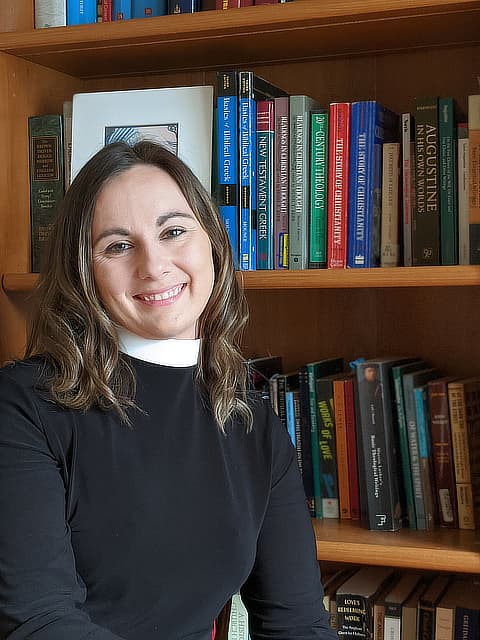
46, 179
247, 166
148, 8
467, 623
364, 185
227, 156
442, 453
121, 9
390, 216
67, 142
448, 182
352, 453
265, 171
404, 450
379, 449
408, 184
327, 448
297, 414
342, 466
444, 623
426, 228
281, 181
290, 416
81, 12
306, 440
461, 456
299, 188
338, 161
354, 617
462, 189
106, 10
424, 454
318, 189
50, 13
474, 177
232, 4
410, 415
317, 487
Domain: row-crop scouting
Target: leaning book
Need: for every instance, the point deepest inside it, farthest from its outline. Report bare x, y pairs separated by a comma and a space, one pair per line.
179, 118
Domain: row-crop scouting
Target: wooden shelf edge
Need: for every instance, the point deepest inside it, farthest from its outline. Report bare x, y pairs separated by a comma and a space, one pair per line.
374, 25
454, 551
458, 276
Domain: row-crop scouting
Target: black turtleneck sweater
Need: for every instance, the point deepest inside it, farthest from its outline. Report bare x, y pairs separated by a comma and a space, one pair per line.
111, 533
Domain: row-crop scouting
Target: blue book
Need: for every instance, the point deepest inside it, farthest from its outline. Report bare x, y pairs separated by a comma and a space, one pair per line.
183, 6
247, 125
81, 11
425, 453
371, 124
290, 410
148, 8
121, 9
227, 156
265, 170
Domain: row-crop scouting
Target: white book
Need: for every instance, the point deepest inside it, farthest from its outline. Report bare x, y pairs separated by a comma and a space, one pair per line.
238, 627
50, 13
180, 118
462, 182
389, 240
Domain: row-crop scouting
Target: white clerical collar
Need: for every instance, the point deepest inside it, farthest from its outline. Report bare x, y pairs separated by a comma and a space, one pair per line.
170, 353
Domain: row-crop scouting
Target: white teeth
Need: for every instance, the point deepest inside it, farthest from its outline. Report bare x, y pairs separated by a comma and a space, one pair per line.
162, 296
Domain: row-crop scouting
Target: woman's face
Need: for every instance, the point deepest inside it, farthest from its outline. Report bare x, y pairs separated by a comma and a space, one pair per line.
152, 260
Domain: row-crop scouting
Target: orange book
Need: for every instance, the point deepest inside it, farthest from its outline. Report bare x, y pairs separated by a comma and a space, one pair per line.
474, 177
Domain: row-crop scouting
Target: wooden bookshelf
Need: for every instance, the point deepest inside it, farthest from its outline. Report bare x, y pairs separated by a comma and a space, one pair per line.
390, 50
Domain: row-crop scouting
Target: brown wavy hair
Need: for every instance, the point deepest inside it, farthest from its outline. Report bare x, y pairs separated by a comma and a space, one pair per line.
71, 329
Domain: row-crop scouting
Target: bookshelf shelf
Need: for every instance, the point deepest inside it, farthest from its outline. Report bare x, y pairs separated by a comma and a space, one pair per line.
458, 276
304, 29
449, 550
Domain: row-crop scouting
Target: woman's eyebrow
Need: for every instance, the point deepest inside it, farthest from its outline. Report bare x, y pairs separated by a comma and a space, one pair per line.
162, 219
114, 231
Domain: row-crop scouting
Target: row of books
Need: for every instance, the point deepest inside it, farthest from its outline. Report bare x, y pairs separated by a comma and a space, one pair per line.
392, 442
346, 185
378, 603
60, 13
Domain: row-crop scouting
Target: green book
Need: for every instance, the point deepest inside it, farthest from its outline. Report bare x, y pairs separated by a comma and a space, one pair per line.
46, 179
448, 182
317, 256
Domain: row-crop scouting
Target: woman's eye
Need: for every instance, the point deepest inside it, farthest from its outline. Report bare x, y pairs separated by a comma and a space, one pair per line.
118, 247
174, 232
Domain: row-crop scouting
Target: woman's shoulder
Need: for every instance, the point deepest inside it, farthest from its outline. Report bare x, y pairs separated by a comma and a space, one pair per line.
25, 373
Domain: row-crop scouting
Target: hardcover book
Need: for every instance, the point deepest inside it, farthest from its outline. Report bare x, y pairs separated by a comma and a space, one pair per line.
408, 184
45, 135
81, 12
121, 9
50, 13
148, 8
474, 176
183, 6
227, 192
410, 610
390, 215
442, 452
371, 124
423, 508
317, 237
265, 175
338, 178
447, 134
462, 189
426, 221
341, 447
427, 606
393, 601
281, 180
300, 107
458, 612
355, 602
379, 438
179, 118
425, 453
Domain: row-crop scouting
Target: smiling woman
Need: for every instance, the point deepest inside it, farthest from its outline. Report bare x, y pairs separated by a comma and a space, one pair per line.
149, 481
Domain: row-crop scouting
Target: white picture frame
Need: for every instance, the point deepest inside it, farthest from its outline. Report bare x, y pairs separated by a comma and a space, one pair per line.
185, 112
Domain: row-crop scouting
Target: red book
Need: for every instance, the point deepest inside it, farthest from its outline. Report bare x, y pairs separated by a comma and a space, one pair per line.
106, 10
349, 392
338, 161
232, 4
281, 181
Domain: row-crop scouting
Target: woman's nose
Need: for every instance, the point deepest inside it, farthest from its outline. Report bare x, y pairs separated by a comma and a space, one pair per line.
151, 263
